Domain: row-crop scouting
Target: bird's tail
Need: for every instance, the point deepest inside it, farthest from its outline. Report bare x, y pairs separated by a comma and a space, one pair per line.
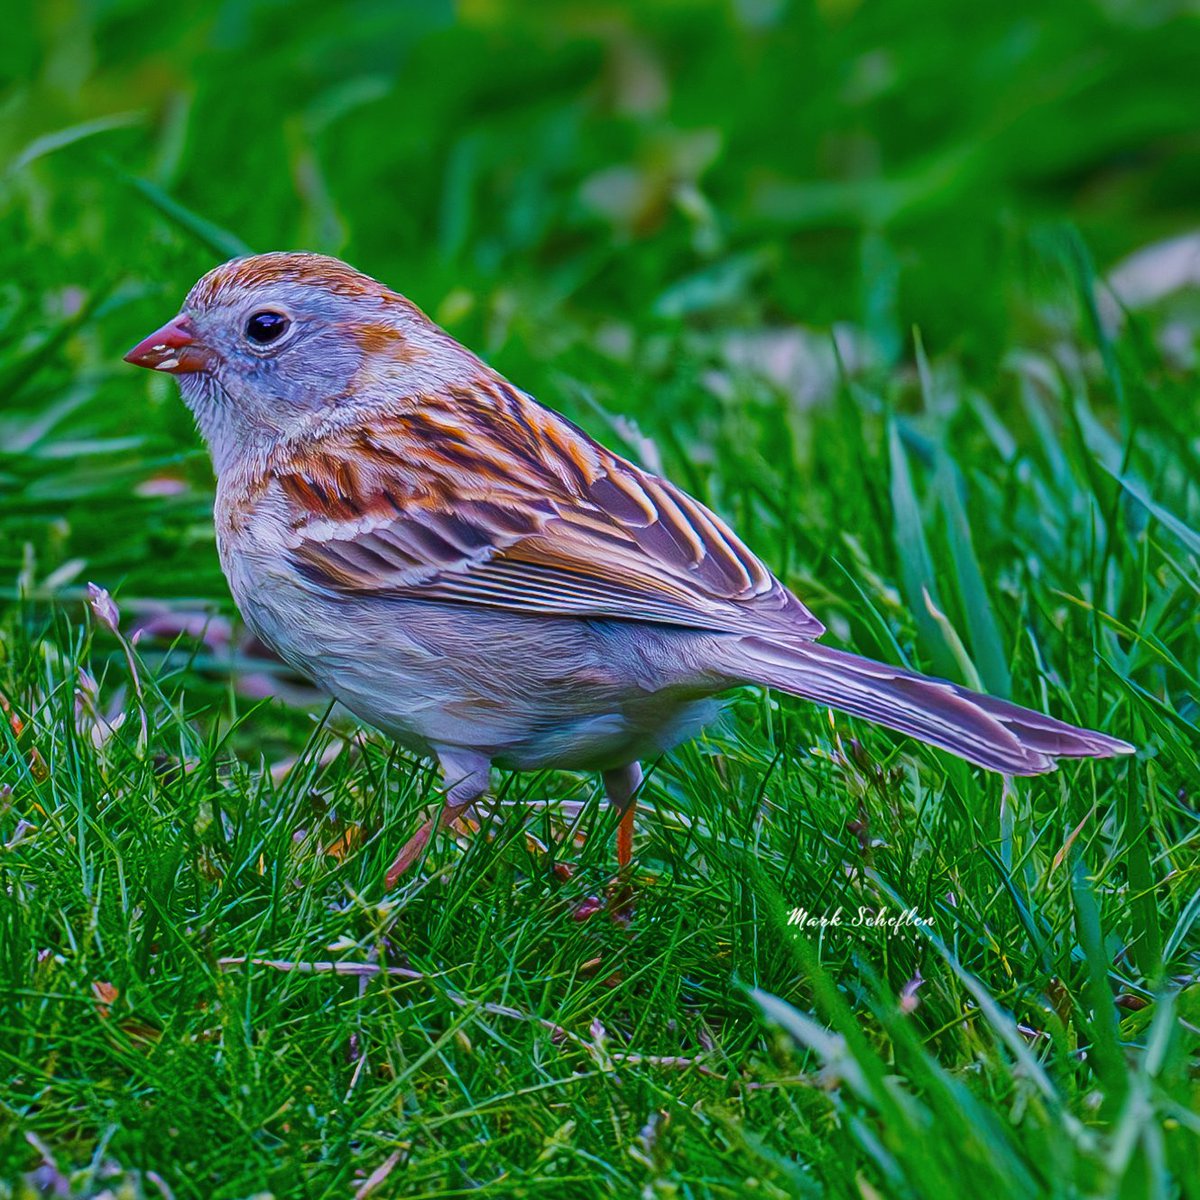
988, 732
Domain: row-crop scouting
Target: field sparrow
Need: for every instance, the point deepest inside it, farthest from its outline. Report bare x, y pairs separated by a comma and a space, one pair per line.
473, 574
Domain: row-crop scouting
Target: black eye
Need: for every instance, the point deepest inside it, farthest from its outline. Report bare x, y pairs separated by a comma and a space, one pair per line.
265, 327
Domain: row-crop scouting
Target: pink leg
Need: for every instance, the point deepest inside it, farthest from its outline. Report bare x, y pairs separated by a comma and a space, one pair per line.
466, 776
620, 786
625, 839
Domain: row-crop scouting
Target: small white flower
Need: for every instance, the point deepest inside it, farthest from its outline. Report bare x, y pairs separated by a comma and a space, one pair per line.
104, 607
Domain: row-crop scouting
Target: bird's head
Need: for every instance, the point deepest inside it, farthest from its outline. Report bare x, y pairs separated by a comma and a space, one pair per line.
264, 343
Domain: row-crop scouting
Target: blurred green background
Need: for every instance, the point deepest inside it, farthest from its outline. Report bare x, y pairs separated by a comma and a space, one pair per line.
601, 198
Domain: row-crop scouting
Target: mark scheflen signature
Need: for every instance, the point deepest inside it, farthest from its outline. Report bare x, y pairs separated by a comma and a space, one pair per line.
862, 918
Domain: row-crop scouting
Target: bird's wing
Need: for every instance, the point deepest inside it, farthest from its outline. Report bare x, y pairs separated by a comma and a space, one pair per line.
483, 497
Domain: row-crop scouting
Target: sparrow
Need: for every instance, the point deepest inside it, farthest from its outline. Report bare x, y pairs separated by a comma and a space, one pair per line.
471, 573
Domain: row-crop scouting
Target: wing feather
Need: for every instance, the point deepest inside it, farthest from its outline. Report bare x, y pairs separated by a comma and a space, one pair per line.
484, 497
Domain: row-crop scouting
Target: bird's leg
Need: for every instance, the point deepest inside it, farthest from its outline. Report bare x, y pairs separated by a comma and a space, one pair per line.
621, 786
466, 777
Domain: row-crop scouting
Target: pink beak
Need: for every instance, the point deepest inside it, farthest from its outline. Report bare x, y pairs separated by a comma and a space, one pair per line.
172, 348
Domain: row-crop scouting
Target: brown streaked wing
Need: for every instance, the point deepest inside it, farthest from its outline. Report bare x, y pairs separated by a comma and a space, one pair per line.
514, 508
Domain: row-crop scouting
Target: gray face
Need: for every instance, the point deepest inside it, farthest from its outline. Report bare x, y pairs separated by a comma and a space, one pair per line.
263, 344
276, 351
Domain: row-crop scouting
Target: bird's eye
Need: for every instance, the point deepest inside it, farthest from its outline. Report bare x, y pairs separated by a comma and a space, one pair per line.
266, 327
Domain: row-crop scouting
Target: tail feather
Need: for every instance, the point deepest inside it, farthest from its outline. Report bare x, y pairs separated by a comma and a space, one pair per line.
985, 731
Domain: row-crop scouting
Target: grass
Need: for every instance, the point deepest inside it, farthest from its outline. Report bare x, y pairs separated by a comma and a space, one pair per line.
206, 989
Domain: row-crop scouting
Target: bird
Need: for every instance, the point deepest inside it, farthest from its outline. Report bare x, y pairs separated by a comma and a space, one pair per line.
471, 573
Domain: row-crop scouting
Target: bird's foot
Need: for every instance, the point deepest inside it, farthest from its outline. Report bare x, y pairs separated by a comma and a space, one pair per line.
409, 854
461, 818
621, 892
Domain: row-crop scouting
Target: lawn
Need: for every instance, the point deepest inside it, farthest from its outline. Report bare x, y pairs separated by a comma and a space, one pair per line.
893, 288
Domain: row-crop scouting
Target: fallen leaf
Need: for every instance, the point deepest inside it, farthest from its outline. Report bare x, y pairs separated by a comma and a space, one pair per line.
1133, 1003
14, 721
105, 995
343, 846
37, 766
377, 1176
587, 909
1066, 846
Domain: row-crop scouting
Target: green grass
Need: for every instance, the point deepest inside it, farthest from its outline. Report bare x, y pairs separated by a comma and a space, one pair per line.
206, 989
